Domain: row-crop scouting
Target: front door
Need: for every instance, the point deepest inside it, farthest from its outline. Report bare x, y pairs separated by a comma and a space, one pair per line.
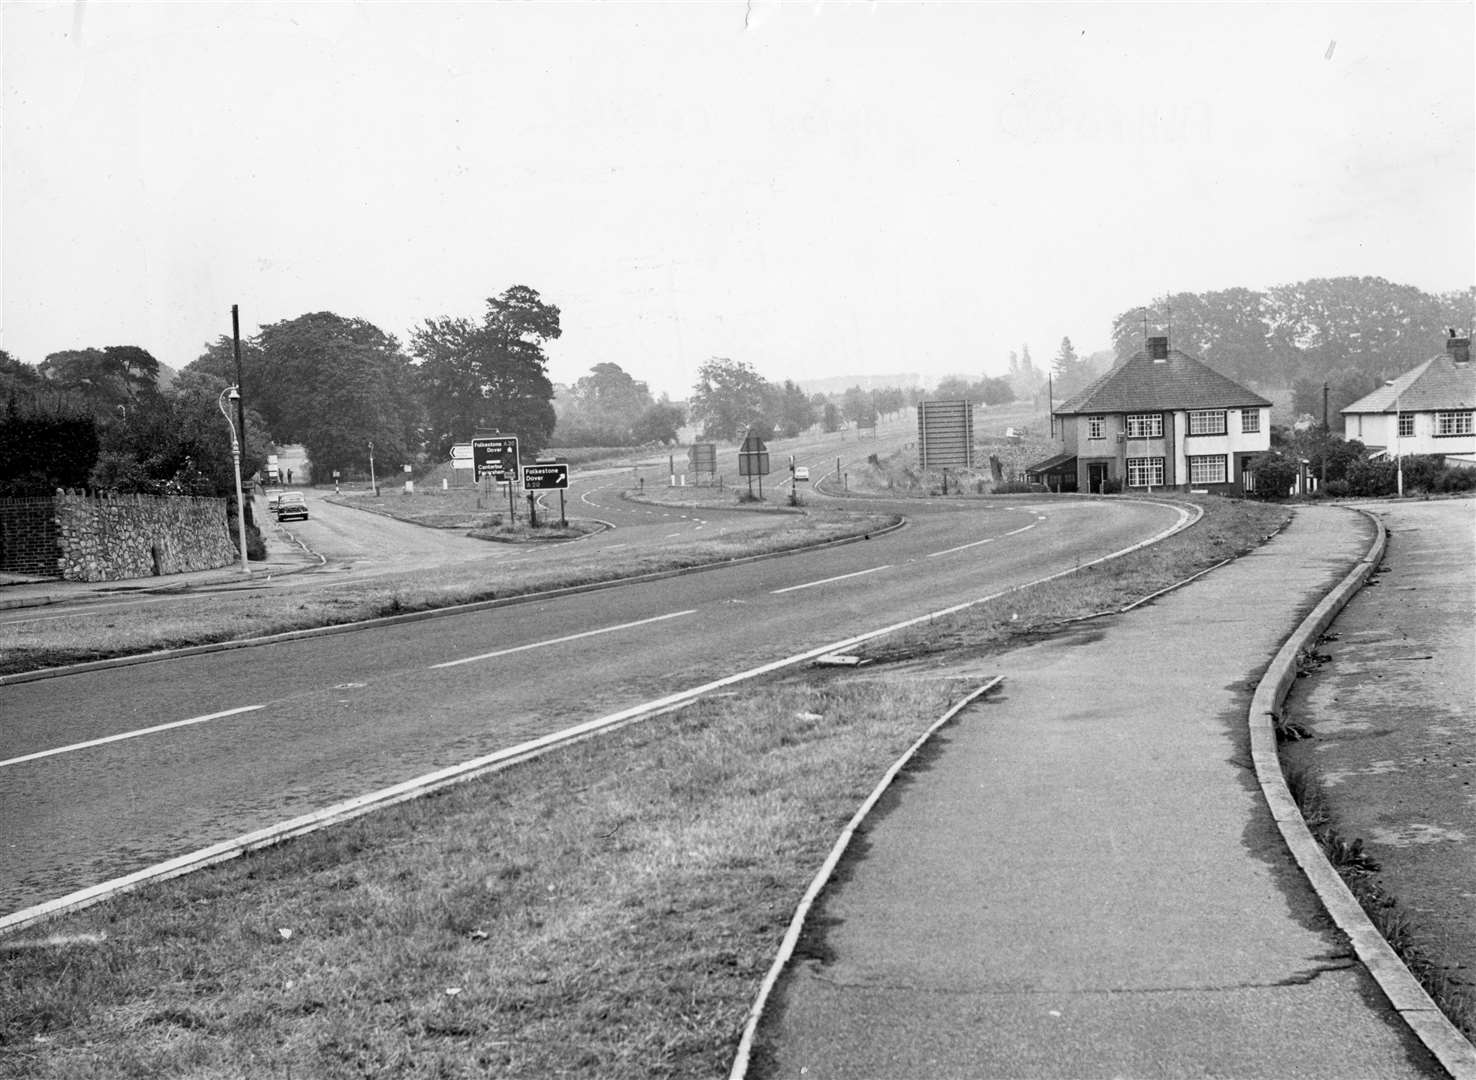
1096, 476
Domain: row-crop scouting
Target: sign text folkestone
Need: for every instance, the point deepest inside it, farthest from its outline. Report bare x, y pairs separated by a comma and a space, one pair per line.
496, 457
546, 477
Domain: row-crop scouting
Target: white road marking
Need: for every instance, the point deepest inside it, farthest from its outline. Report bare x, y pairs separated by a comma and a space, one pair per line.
986, 540
560, 641
130, 735
827, 581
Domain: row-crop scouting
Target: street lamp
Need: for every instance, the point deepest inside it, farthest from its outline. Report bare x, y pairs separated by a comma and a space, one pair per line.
234, 394
1398, 449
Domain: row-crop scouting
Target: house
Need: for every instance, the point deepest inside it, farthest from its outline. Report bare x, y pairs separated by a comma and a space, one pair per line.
1160, 419
1427, 410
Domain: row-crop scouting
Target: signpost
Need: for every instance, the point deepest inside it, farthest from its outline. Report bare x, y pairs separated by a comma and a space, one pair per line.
496, 456
703, 459
547, 476
753, 460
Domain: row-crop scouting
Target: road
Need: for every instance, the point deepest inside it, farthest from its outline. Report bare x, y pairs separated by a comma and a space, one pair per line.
279, 730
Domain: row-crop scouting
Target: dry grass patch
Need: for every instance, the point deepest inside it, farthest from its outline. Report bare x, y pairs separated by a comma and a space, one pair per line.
606, 911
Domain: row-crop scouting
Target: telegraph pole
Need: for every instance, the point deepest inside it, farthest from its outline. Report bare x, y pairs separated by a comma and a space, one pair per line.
245, 508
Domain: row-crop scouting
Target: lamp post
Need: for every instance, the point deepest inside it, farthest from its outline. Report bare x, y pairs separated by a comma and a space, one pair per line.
234, 394
374, 487
1398, 448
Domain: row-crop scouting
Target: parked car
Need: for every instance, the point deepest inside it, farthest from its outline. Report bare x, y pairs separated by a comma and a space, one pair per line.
272, 500
801, 473
291, 505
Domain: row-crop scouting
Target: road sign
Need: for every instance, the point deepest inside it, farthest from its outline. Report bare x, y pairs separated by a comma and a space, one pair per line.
703, 457
496, 457
945, 433
753, 457
461, 451
546, 476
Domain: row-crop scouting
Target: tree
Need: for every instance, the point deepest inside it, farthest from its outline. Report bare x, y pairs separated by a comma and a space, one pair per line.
727, 399
335, 384
491, 375
103, 379
18, 380
794, 411
602, 409
1068, 369
995, 390
660, 423
830, 417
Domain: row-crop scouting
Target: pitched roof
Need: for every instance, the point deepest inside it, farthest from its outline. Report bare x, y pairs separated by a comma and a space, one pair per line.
1438, 383
1140, 384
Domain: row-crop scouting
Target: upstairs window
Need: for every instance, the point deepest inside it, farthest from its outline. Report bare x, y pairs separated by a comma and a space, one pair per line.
1096, 427
1145, 426
1453, 423
1207, 422
1250, 421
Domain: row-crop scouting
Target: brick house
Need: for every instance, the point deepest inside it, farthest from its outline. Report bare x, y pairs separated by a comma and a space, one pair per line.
1160, 419
1432, 406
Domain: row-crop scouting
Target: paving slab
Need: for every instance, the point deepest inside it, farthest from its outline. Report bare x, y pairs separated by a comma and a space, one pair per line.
1082, 878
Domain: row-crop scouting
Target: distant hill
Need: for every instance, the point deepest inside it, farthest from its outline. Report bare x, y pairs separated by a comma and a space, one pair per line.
839, 384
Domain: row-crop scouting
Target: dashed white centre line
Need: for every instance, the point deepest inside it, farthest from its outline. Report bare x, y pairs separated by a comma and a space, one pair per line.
130, 734
560, 641
827, 581
986, 540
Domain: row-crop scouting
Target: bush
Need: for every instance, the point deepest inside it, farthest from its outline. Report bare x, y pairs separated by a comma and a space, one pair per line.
1459, 478
1275, 476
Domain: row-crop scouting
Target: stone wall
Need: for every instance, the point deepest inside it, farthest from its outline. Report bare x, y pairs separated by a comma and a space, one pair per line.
114, 537
28, 537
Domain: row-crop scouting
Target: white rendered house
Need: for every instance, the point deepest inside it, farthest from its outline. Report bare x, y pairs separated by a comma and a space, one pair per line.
1427, 410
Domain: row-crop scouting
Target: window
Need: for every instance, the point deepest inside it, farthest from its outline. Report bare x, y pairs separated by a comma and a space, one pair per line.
1250, 421
1145, 426
1145, 472
1452, 423
1207, 422
1207, 469
1406, 425
1096, 427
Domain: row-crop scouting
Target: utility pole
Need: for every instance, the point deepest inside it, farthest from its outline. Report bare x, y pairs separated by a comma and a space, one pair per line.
240, 394
1326, 434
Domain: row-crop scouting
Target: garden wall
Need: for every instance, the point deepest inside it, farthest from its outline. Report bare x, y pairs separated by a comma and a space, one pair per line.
114, 537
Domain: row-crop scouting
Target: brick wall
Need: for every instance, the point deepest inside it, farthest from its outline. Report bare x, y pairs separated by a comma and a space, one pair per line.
28, 537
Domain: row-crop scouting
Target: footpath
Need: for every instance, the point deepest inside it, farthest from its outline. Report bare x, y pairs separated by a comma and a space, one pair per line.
1082, 879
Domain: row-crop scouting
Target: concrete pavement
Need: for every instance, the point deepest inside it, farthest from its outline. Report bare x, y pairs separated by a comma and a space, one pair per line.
1083, 879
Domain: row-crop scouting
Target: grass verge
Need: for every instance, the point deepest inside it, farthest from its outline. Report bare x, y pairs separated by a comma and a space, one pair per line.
204, 619
607, 910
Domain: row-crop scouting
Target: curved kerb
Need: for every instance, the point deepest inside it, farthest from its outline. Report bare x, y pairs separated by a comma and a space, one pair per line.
1452, 1049
823, 876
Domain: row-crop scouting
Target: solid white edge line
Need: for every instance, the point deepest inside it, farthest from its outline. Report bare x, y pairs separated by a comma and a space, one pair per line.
129, 735
467, 770
827, 581
823, 875
562, 640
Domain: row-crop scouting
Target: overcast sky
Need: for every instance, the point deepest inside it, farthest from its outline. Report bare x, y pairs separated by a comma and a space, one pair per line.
815, 188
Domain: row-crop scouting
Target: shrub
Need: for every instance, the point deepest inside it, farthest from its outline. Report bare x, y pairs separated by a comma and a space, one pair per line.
1459, 478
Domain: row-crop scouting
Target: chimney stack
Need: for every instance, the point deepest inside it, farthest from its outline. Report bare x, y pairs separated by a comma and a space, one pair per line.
1158, 349
1459, 348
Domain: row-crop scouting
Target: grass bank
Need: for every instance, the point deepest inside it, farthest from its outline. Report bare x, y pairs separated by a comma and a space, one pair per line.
78, 636
607, 910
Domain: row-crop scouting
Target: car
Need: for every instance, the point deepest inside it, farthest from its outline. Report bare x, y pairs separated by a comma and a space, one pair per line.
801, 473
272, 500
291, 505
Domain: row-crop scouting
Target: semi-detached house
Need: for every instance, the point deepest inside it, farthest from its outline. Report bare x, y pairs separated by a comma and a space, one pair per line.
1160, 419
1428, 410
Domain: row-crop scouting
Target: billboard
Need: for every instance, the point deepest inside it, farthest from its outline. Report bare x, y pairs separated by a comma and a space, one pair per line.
945, 434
